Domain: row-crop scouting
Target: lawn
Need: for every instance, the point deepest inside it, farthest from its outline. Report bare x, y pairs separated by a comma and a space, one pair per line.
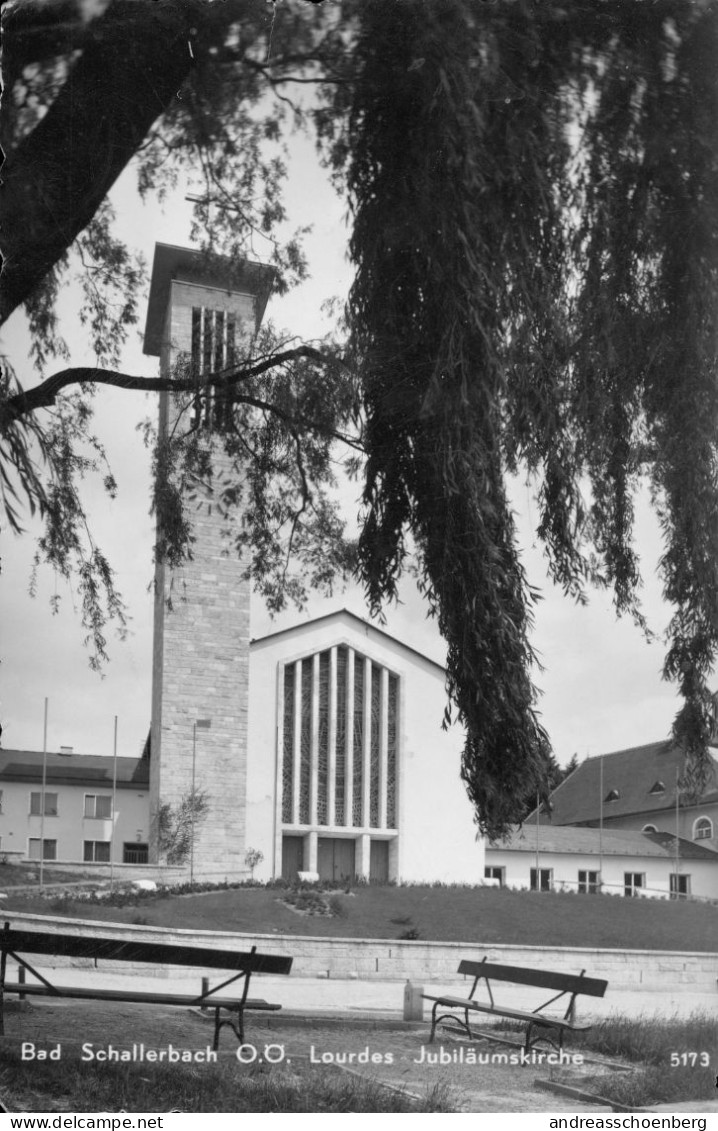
628, 1059
447, 914
675, 1059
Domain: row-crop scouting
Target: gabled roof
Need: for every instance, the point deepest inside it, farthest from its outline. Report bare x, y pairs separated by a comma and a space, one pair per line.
624, 782
352, 620
73, 769
610, 842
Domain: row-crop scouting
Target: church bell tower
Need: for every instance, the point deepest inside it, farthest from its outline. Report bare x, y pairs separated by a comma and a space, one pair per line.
199, 312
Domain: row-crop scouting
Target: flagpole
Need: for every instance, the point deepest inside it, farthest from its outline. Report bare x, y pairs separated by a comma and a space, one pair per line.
600, 826
112, 815
678, 849
538, 822
42, 795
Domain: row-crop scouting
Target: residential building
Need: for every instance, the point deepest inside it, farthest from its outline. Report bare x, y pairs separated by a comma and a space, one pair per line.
610, 861
640, 789
95, 807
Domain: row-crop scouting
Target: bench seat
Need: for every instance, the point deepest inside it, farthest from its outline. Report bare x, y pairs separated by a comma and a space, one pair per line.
74, 943
540, 1025
510, 1012
137, 996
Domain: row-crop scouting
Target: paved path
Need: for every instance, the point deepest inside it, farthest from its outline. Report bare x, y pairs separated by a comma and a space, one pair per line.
351, 997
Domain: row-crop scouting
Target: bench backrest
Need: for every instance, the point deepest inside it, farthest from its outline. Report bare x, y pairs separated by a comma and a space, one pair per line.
73, 945
524, 976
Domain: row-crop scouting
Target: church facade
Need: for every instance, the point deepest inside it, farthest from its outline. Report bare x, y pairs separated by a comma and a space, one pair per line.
319, 747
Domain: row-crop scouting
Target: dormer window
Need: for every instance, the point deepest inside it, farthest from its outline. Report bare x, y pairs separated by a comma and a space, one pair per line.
612, 795
657, 787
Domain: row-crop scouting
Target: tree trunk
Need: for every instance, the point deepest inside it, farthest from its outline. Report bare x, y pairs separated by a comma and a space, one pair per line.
132, 67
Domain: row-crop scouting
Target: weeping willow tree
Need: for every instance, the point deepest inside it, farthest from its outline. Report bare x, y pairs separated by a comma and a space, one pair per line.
534, 188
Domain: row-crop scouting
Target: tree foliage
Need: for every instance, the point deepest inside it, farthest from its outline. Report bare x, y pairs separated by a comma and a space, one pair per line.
535, 191
177, 826
533, 187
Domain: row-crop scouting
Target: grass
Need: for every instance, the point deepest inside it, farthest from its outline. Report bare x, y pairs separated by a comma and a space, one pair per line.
649, 1042
445, 914
213, 1088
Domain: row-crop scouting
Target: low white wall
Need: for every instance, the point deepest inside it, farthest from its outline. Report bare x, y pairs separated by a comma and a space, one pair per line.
648, 970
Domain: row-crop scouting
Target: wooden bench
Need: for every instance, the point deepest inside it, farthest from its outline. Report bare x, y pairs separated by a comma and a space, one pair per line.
15, 944
540, 1025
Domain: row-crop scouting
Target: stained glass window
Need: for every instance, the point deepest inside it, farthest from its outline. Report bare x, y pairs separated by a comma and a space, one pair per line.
323, 741
305, 763
288, 752
358, 743
391, 737
328, 721
340, 758
375, 746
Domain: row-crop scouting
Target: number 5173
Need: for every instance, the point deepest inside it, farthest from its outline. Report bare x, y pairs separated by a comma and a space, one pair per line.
690, 1059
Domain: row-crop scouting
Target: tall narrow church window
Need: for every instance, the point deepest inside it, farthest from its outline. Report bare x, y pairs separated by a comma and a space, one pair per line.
358, 745
323, 741
391, 739
305, 778
374, 767
288, 752
339, 748
213, 349
341, 740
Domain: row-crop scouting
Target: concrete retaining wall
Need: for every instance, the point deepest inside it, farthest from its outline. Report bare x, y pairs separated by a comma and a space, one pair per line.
649, 970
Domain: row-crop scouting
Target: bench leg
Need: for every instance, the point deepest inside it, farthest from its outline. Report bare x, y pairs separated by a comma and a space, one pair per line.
237, 1029
463, 1026
547, 1035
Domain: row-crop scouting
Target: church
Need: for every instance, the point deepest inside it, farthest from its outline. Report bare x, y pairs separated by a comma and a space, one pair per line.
316, 749
320, 746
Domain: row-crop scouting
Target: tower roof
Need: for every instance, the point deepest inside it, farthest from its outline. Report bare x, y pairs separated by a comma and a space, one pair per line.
207, 270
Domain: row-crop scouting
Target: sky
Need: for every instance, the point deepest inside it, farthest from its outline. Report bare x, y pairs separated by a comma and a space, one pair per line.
601, 684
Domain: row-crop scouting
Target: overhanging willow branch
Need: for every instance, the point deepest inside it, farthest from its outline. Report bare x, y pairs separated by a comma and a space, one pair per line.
42, 396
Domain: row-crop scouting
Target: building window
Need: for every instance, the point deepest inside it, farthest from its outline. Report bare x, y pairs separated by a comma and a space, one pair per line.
493, 873
96, 852
213, 349
589, 882
49, 849
612, 795
680, 885
633, 882
36, 805
649, 829
98, 805
339, 747
134, 853
0, 801
541, 879
703, 829
657, 787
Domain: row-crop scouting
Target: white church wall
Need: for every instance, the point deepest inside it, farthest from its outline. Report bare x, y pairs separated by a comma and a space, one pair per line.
435, 839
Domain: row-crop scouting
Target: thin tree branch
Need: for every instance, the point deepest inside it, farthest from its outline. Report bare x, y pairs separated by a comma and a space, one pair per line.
42, 396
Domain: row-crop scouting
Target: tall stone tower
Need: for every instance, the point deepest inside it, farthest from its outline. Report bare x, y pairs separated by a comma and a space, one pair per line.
200, 670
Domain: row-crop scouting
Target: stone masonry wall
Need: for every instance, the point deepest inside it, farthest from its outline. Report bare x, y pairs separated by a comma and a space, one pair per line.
201, 645
425, 962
